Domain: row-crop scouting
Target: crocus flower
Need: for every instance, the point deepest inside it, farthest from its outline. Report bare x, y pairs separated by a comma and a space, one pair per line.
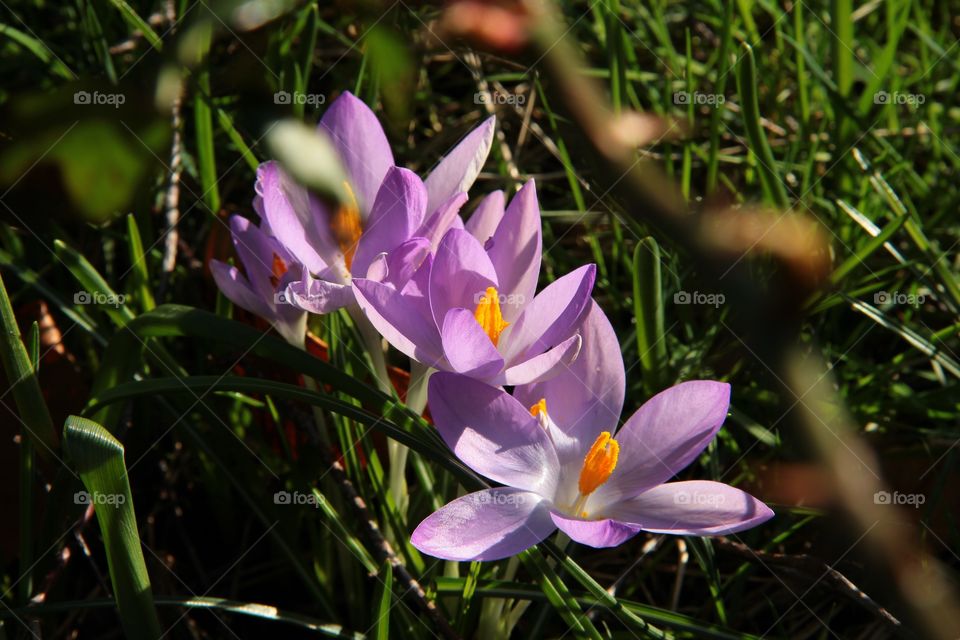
267, 265
387, 206
553, 446
471, 308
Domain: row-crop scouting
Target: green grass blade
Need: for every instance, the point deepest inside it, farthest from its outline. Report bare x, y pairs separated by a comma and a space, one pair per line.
37, 423
38, 49
773, 186
135, 22
648, 312
139, 273
384, 600
98, 457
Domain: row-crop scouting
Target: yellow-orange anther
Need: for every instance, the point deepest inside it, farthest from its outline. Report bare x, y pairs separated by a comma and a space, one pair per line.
489, 316
539, 408
277, 270
599, 463
347, 226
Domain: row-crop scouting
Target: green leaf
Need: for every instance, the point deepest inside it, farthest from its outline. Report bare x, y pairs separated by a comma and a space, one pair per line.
750, 107
648, 311
139, 273
135, 22
37, 424
98, 457
384, 598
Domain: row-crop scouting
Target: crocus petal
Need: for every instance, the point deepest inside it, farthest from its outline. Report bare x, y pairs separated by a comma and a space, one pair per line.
492, 433
281, 218
361, 144
398, 266
515, 250
461, 274
586, 398
446, 217
237, 288
485, 218
316, 295
697, 508
550, 317
456, 172
665, 435
467, 347
256, 251
595, 533
487, 525
405, 321
544, 366
396, 214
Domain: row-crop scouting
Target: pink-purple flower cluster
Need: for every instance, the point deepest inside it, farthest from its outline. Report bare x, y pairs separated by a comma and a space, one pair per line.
462, 298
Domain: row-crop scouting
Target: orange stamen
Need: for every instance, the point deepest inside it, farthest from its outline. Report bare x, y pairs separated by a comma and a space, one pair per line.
489, 316
599, 463
347, 226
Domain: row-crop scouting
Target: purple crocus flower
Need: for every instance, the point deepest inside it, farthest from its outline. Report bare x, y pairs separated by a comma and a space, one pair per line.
267, 265
387, 205
471, 308
551, 445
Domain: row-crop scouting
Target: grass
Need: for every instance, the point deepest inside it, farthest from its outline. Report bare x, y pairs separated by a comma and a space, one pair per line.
842, 112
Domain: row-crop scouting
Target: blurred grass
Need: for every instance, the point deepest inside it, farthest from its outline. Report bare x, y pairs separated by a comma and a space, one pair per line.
803, 123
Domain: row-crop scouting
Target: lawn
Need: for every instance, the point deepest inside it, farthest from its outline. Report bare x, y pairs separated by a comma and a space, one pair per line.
231, 407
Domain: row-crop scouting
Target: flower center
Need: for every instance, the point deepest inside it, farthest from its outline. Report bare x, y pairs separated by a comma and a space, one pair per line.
539, 411
347, 226
598, 464
277, 271
489, 316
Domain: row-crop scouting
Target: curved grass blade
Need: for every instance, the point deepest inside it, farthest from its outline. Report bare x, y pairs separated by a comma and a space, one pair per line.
750, 108
98, 457
423, 441
251, 609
